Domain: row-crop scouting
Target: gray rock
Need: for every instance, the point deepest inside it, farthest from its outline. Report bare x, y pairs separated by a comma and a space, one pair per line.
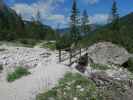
108, 53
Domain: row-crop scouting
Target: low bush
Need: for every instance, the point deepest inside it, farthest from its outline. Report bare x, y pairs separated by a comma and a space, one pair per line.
129, 64
2, 49
99, 66
18, 73
83, 60
50, 45
1, 68
63, 42
28, 42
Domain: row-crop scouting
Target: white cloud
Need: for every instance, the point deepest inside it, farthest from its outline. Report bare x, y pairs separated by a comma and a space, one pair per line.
25, 10
99, 18
46, 8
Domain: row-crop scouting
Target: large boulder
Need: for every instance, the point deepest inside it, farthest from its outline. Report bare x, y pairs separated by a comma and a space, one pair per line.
108, 53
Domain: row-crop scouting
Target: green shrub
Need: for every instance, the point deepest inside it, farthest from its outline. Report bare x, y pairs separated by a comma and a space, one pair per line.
1, 68
83, 60
50, 45
2, 49
28, 42
129, 64
18, 73
63, 42
99, 66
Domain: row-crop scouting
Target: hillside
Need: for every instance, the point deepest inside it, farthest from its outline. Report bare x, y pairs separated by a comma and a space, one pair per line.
9, 21
12, 26
37, 30
123, 38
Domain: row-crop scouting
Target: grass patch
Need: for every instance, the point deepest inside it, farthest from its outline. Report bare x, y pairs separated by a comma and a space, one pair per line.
18, 73
28, 42
78, 87
72, 86
50, 45
99, 66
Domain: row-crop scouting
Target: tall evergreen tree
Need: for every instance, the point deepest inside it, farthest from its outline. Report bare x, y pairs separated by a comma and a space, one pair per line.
85, 27
39, 28
38, 16
115, 17
74, 23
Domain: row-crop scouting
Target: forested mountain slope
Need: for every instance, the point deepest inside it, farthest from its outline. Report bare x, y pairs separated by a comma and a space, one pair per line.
123, 38
12, 26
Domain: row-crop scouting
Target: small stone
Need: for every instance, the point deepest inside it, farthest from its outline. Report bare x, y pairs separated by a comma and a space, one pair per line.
75, 98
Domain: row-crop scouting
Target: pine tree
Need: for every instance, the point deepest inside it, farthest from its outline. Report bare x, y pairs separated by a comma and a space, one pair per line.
38, 27
74, 23
38, 17
85, 27
115, 17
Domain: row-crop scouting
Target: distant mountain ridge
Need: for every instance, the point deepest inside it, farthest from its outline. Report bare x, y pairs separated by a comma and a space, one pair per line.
66, 30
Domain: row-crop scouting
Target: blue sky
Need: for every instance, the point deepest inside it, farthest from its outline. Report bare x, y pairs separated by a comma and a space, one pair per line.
54, 12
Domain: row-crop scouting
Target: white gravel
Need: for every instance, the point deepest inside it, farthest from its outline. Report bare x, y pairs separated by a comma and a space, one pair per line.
45, 72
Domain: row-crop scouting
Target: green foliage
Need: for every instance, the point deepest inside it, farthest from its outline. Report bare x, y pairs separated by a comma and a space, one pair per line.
85, 27
115, 17
99, 66
123, 38
74, 23
1, 68
18, 73
129, 64
50, 45
63, 42
70, 87
28, 42
12, 27
10, 24
38, 31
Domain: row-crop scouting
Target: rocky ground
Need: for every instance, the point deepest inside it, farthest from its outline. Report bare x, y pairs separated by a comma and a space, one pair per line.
46, 71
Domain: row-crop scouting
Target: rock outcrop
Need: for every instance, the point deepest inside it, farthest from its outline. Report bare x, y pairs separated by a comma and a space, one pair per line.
108, 53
